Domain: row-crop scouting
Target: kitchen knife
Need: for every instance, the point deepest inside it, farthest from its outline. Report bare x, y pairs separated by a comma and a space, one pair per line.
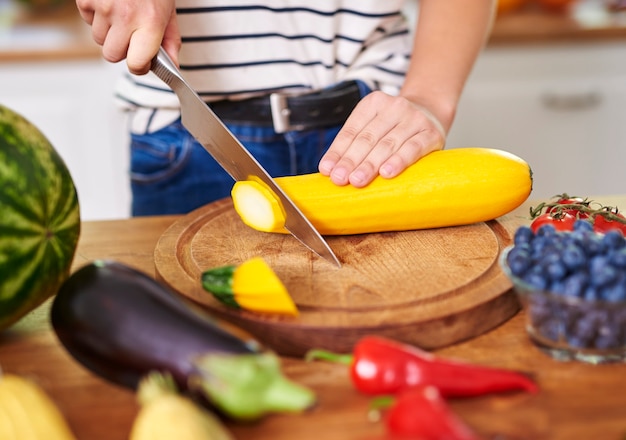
215, 137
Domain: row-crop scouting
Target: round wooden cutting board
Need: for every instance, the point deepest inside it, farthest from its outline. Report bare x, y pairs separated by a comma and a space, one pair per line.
430, 287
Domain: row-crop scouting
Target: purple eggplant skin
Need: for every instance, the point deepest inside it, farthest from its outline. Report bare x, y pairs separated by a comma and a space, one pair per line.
120, 324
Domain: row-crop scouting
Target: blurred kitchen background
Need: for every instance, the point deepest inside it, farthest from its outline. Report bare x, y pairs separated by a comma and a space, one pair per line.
550, 87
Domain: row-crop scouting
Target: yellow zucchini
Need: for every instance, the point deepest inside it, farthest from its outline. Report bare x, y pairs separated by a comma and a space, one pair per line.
165, 414
252, 285
28, 413
445, 188
257, 287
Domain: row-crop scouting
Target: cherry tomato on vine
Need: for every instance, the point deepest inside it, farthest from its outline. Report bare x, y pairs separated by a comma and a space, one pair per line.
603, 225
564, 222
572, 211
571, 201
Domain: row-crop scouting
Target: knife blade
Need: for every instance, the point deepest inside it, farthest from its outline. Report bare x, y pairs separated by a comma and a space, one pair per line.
215, 137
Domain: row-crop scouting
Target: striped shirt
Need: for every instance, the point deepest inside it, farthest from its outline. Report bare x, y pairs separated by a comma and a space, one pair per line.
238, 49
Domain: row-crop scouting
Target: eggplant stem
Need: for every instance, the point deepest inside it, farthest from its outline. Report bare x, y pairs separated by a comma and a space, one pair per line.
247, 386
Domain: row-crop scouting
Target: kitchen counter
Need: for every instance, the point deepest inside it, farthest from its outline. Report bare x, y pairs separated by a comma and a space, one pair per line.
585, 22
49, 35
576, 400
60, 34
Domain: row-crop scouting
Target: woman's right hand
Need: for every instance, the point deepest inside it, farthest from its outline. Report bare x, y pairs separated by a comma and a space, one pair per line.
132, 30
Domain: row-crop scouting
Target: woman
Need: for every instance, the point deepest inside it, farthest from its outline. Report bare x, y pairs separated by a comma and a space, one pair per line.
337, 86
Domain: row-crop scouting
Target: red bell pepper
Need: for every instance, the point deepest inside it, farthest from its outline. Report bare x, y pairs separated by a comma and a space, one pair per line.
421, 413
381, 366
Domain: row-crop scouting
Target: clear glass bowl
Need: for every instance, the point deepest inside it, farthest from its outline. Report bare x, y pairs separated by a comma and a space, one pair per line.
571, 328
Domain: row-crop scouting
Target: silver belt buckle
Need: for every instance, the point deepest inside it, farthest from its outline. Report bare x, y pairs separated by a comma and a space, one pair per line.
280, 112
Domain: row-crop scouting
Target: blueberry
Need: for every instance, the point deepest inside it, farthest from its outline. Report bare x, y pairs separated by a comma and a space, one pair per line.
574, 257
557, 286
582, 225
585, 329
567, 240
618, 258
591, 293
558, 240
608, 336
577, 238
536, 280
549, 256
604, 342
571, 313
615, 292
618, 321
546, 230
577, 342
600, 272
523, 235
556, 271
575, 284
540, 246
551, 329
594, 245
539, 312
613, 240
535, 277
519, 260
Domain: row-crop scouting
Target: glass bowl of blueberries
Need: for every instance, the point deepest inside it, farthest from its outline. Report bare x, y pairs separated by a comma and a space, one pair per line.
572, 285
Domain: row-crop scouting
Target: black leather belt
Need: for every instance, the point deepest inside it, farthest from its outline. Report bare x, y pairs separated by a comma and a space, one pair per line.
286, 112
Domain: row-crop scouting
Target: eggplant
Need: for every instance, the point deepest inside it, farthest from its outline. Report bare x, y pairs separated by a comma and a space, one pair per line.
121, 324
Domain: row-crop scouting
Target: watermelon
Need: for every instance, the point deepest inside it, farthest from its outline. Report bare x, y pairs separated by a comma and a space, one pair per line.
39, 218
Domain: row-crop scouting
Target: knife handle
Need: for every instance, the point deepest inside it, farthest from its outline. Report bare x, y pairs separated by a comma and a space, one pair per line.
163, 67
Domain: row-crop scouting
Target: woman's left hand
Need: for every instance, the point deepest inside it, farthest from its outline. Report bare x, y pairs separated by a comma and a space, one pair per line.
383, 136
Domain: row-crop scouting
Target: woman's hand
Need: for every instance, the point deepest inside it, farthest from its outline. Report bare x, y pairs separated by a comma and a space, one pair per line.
383, 135
132, 30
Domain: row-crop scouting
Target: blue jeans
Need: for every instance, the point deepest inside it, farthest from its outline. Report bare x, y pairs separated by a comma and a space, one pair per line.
171, 173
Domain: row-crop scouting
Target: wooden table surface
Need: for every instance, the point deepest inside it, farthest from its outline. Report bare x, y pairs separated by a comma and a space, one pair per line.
577, 401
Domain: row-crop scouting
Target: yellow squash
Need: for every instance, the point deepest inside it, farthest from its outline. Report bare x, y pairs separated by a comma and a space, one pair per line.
257, 287
252, 285
28, 413
445, 188
167, 415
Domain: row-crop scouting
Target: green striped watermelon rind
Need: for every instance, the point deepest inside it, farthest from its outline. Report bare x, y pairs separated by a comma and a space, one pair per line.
39, 218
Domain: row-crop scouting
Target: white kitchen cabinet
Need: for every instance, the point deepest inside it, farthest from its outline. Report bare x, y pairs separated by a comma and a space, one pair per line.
71, 102
560, 107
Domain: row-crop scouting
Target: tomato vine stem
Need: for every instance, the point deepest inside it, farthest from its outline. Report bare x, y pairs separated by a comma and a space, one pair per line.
590, 208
